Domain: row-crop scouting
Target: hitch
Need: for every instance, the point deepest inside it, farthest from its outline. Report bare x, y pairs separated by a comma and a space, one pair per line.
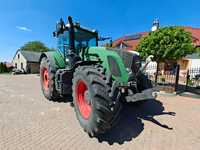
144, 95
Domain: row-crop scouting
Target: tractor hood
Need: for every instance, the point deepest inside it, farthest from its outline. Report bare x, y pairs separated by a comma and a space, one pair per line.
119, 63
111, 62
131, 59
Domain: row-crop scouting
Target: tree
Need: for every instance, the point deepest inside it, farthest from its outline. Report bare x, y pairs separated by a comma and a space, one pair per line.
35, 46
168, 43
3, 68
198, 51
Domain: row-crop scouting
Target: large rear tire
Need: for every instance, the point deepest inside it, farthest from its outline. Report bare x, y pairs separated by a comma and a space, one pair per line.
47, 80
96, 108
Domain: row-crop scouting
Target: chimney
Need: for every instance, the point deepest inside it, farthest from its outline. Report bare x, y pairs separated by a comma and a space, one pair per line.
156, 25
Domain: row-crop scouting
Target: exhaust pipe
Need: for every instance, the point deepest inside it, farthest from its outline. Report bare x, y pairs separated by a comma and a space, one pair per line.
71, 34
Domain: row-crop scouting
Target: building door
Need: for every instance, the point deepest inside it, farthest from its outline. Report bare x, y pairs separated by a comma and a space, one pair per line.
22, 66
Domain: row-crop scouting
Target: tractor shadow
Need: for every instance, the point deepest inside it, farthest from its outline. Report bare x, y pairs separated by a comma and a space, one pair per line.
130, 124
65, 99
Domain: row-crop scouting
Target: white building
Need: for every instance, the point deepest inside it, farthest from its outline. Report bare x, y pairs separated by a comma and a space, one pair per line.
27, 61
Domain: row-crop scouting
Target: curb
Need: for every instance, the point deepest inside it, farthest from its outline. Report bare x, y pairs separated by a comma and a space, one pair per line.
192, 95
185, 94
163, 93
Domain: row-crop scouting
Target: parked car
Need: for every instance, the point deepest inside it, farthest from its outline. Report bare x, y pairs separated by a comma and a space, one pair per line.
16, 71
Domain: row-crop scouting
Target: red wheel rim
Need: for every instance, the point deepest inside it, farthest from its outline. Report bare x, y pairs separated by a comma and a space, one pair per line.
82, 101
45, 79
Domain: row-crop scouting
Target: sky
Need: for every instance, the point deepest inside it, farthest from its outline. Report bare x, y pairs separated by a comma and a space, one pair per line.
28, 20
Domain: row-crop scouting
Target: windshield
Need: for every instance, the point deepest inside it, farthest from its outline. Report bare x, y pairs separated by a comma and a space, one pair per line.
82, 39
84, 43
63, 42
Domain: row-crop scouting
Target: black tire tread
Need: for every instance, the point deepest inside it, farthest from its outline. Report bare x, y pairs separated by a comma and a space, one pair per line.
106, 112
51, 94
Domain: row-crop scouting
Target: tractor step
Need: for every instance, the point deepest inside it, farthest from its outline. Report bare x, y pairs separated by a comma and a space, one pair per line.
64, 81
144, 95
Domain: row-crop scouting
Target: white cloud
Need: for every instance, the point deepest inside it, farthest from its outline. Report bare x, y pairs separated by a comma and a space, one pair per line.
23, 28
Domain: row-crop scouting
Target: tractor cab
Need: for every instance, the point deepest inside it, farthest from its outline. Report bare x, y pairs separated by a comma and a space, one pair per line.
71, 37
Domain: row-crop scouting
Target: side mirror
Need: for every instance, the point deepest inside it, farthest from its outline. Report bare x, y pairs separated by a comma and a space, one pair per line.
58, 26
54, 34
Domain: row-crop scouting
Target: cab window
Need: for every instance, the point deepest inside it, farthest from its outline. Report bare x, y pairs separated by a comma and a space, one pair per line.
63, 42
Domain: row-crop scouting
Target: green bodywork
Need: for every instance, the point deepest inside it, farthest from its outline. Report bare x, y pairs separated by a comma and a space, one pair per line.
99, 54
59, 59
56, 59
103, 55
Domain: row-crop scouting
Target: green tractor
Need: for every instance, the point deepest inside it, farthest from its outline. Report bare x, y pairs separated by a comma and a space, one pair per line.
98, 78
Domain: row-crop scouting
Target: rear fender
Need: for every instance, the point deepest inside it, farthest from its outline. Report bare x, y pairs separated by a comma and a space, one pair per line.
56, 59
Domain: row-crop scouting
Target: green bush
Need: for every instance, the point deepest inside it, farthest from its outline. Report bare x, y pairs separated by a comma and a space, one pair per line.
167, 43
162, 79
190, 82
35, 46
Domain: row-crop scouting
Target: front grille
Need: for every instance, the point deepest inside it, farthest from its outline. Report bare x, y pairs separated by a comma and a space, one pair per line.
114, 67
127, 59
131, 60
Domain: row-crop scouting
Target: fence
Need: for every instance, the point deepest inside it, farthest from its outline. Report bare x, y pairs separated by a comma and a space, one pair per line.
174, 80
193, 80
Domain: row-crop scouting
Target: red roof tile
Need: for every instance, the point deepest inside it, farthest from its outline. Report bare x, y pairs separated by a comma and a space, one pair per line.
195, 34
133, 43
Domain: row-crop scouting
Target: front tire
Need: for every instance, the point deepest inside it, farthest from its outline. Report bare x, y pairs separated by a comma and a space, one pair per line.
47, 80
96, 109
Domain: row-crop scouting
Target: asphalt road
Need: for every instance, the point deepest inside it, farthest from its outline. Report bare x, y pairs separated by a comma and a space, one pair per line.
29, 121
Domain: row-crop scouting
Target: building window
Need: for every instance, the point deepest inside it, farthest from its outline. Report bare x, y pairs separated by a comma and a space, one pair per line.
15, 65
22, 66
18, 56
